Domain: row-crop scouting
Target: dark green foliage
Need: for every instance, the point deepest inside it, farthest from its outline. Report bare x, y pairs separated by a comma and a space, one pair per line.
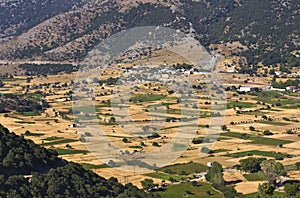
148, 184
21, 104
251, 164
69, 181
50, 175
109, 81
148, 15
272, 170
292, 189
268, 132
215, 175
224, 128
20, 156
47, 69
228, 191
283, 85
199, 140
125, 140
183, 66
153, 136
298, 165
155, 144
265, 190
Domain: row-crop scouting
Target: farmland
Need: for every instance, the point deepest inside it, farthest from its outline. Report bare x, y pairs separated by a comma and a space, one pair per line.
256, 124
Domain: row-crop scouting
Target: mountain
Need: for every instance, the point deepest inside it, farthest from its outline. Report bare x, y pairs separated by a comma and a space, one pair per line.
50, 176
266, 31
25, 14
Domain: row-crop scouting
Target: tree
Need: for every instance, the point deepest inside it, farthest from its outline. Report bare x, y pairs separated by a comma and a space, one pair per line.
272, 170
155, 144
206, 150
267, 132
291, 190
125, 140
194, 183
252, 128
112, 120
265, 190
251, 164
298, 165
148, 184
224, 128
215, 175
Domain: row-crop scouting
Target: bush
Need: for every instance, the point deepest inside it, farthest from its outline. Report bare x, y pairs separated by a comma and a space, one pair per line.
125, 140
188, 192
206, 150
224, 128
290, 132
153, 136
268, 132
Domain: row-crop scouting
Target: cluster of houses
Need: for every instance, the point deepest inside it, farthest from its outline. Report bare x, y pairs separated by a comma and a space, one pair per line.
288, 88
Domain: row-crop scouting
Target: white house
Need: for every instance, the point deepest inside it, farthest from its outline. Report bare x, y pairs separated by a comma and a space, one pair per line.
209, 164
291, 89
276, 89
247, 89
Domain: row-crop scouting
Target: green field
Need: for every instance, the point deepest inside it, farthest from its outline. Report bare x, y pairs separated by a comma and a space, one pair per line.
188, 168
146, 98
85, 109
275, 123
34, 134
274, 98
259, 176
231, 105
30, 113
165, 176
35, 97
269, 141
257, 139
53, 138
219, 150
93, 166
70, 151
45, 119
24, 122
180, 190
61, 141
256, 152
291, 106
180, 147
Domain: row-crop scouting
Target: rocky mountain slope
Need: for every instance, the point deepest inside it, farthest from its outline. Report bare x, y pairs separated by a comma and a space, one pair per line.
267, 30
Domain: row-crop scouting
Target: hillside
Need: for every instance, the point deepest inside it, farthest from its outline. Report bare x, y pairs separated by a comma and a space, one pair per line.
50, 176
26, 14
267, 31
